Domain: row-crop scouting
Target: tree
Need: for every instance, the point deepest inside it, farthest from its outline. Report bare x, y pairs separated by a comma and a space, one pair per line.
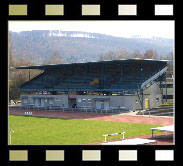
123, 54
150, 54
114, 55
136, 54
170, 65
110, 55
101, 57
10, 51
18, 77
55, 58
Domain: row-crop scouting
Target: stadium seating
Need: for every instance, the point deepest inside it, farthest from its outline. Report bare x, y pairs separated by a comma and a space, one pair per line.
130, 80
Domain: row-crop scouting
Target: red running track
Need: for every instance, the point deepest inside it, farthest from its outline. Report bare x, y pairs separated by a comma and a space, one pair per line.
92, 116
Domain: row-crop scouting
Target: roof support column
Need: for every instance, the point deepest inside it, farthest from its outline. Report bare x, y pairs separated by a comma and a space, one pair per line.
161, 89
121, 71
85, 72
141, 68
103, 75
166, 87
141, 97
29, 74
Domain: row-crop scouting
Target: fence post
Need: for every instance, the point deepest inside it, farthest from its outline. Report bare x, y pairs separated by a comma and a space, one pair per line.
123, 136
122, 133
10, 136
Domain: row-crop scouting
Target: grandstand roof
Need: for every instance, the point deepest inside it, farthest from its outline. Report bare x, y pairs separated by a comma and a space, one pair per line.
124, 75
42, 67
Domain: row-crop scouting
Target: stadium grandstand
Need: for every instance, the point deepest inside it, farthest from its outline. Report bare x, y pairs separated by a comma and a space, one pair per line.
131, 84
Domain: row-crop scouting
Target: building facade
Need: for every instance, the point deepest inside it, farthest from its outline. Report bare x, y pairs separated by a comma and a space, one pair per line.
152, 98
131, 84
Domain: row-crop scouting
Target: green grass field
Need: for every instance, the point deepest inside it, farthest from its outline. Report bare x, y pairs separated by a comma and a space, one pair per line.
54, 131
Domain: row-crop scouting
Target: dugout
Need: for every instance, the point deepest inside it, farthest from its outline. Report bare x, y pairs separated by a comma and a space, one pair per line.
101, 84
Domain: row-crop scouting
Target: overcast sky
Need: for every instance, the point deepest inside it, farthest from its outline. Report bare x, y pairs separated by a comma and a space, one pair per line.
115, 28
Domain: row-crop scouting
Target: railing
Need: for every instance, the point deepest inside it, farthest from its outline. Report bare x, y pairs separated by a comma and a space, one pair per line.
35, 77
155, 113
155, 76
60, 79
112, 110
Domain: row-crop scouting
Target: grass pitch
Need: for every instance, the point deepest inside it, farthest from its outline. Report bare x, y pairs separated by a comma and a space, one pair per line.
54, 131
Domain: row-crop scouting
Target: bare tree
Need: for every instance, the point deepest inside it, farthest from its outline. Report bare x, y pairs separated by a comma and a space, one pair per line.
101, 57
110, 55
123, 54
114, 55
136, 54
18, 77
10, 51
170, 72
55, 58
150, 54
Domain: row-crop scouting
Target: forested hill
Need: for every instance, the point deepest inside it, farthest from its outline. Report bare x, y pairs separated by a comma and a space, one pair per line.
74, 46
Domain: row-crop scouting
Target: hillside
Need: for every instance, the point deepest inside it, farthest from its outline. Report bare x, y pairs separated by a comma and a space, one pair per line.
80, 46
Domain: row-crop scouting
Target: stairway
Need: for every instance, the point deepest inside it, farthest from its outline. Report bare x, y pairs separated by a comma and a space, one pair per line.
159, 111
153, 77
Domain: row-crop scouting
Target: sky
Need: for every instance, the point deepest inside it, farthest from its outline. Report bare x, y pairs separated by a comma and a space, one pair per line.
119, 28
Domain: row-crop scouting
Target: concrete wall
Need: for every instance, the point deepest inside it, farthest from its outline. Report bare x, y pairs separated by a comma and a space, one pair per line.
152, 93
170, 91
130, 102
155, 95
85, 100
56, 100
122, 101
115, 101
